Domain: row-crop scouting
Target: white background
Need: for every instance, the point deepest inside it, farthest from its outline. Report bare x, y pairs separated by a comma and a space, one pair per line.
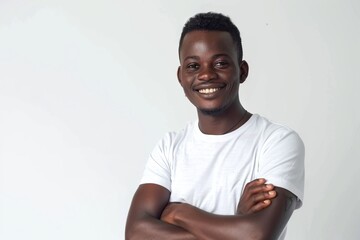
88, 87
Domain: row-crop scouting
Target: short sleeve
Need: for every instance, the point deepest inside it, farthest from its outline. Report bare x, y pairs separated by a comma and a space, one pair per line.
157, 169
282, 162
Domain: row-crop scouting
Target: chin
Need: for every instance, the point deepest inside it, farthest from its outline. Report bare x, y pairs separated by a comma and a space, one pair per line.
212, 111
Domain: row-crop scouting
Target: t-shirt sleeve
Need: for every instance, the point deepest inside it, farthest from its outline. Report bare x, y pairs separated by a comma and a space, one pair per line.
282, 162
157, 169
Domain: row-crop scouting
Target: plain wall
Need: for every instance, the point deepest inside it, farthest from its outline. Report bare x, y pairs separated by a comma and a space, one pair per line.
87, 88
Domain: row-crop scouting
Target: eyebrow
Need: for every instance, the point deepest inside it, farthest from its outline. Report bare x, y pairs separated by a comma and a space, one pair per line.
191, 57
215, 56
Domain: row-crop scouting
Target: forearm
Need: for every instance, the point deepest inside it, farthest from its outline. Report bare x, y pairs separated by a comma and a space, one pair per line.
209, 226
151, 228
266, 224
143, 219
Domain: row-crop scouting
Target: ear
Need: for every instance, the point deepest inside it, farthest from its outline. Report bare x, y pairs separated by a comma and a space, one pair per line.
244, 70
178, 75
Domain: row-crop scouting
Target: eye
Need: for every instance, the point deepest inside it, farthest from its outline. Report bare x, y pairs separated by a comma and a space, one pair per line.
192, 67
221, 64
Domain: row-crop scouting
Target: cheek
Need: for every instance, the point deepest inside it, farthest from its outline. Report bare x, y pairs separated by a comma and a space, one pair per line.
233, 82
186, 82
233, 90
187, 90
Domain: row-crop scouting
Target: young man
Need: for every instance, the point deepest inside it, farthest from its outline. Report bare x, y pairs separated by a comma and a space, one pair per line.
208, 180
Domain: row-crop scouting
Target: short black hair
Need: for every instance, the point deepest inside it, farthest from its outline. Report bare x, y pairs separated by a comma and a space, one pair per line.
213, 22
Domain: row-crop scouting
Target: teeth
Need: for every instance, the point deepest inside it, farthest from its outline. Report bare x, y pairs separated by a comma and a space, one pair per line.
208, 90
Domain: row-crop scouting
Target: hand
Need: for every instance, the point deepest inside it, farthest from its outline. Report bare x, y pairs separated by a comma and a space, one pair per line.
257, 195
169, 213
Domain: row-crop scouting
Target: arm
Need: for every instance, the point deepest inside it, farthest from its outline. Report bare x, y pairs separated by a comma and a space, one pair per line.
144, 214
257, 195
150, 200
265, 224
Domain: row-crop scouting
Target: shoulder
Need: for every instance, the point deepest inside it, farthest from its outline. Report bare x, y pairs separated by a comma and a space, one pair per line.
282, 156
273, 133
173, 139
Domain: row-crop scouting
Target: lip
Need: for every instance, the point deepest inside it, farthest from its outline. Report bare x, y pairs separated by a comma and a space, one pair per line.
209, 95
209, 86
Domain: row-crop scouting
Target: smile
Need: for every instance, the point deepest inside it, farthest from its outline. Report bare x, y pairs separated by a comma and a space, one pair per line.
208, 90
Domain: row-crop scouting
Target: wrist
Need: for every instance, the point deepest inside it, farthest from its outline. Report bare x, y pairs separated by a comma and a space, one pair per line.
180, 214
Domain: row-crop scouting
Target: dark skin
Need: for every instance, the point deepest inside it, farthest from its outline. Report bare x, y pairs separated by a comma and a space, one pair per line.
209, 60
266, 224
147, 218
210, 74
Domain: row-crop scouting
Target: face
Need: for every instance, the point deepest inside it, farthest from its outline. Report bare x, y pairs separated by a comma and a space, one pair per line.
210, 72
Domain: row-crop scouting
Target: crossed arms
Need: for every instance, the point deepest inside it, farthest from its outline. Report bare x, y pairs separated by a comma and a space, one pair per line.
260, 215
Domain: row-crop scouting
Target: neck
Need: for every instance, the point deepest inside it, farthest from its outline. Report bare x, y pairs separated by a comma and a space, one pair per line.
228, 121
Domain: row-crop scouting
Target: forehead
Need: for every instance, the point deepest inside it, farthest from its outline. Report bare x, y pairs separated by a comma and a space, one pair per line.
201, 43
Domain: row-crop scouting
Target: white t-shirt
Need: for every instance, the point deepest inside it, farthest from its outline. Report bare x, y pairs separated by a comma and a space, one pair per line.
211, 171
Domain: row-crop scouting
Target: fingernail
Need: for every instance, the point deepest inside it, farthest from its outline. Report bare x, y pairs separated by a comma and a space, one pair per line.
272, 192
269, 186
266, 201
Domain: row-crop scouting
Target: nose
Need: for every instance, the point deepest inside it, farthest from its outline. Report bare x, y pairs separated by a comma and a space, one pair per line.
207, 73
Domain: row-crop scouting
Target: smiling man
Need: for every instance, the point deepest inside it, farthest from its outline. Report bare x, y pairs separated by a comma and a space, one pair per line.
230, 174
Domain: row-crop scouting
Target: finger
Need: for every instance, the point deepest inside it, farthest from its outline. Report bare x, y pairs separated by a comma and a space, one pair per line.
260, 206
261, 188
254, 185
249, 197
255, 182
251, 191
246, 204
260, 197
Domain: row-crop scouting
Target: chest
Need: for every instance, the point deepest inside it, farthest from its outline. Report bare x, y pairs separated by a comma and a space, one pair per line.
212, 176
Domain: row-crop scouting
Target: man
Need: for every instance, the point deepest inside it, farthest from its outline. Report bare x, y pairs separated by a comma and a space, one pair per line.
208, 180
